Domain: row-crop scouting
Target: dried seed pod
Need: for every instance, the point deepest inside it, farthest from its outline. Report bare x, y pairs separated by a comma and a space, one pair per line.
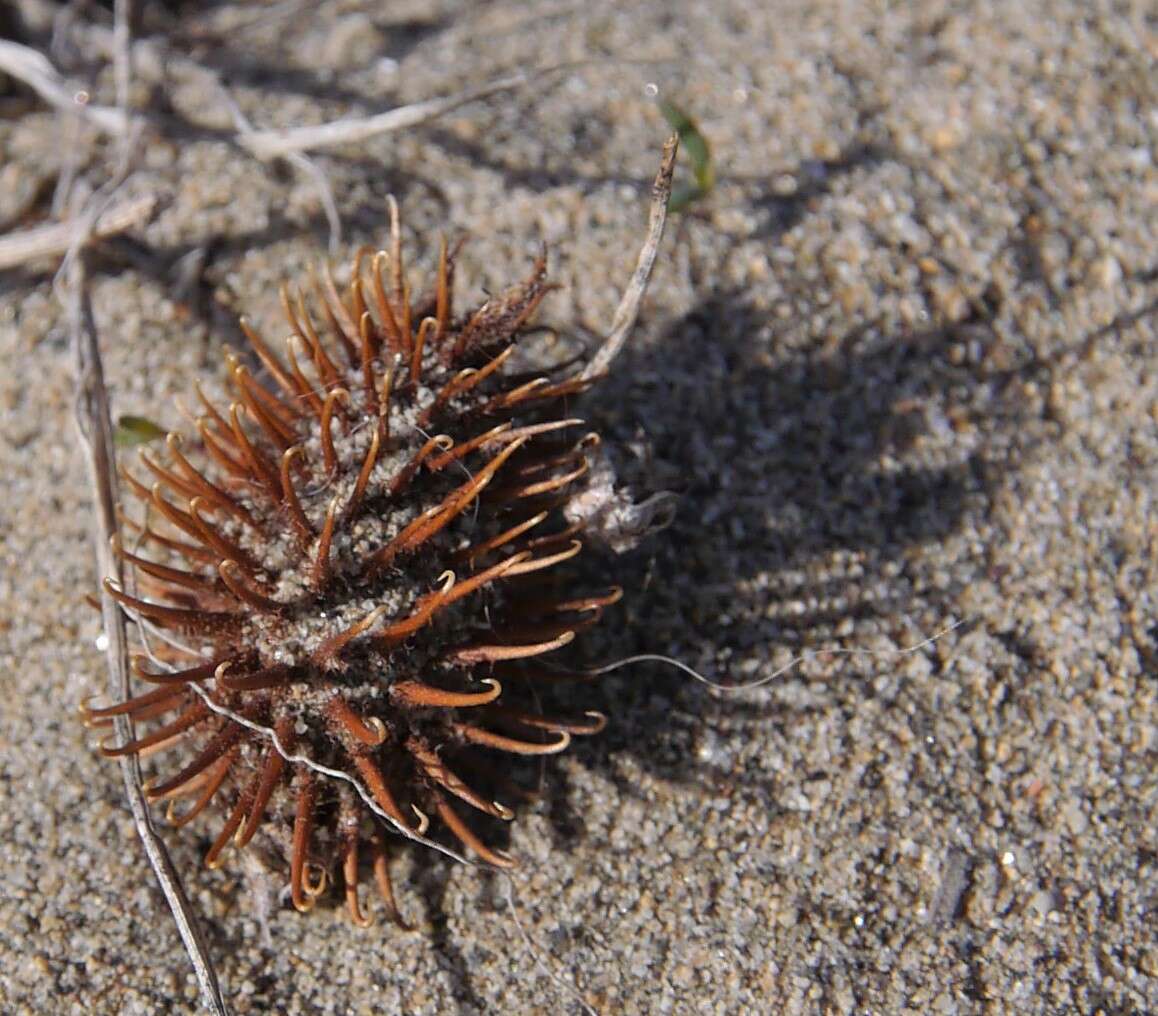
345, 590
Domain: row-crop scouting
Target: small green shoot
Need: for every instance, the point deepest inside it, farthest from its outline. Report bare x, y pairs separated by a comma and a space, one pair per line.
693, 142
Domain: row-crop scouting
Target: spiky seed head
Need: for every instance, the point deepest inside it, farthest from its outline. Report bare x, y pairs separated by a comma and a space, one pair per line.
347, 581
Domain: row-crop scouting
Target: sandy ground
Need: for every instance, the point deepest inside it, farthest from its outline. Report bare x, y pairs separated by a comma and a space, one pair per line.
900, 364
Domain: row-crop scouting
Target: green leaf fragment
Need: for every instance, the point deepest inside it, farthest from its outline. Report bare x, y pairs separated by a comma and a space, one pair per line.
699, 153
683, 195
135, 430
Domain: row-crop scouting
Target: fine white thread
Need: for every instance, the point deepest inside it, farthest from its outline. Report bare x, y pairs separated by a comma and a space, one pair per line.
768, 678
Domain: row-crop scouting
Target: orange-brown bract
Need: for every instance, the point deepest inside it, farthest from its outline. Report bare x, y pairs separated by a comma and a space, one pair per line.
359, 554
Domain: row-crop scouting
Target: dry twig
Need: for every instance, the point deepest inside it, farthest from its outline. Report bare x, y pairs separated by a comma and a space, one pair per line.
628, 309
298, 160
56, 238
36, 71
123, 51
96, 435
95, 428
270, 144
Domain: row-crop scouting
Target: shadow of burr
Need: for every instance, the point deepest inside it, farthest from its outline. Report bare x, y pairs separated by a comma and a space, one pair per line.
807, 477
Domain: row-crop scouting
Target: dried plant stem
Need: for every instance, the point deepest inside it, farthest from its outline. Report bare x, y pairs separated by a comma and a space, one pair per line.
36, 71
628, 309
95, 430
123, 51
271, 144
299, 161
96, 435
56, 238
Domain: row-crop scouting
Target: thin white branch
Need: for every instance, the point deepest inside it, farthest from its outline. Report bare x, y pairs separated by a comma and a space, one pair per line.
123, 52
302, 162
270, 144
146, 628
811, 654
56, 238
554, 976
325, 195
36, 71
628, 309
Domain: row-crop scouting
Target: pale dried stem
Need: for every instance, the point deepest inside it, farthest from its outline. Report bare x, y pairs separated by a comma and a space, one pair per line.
95, 430
628, 309
96, 435
270, 144
36, 71
123, 52
245, 131
56, 238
